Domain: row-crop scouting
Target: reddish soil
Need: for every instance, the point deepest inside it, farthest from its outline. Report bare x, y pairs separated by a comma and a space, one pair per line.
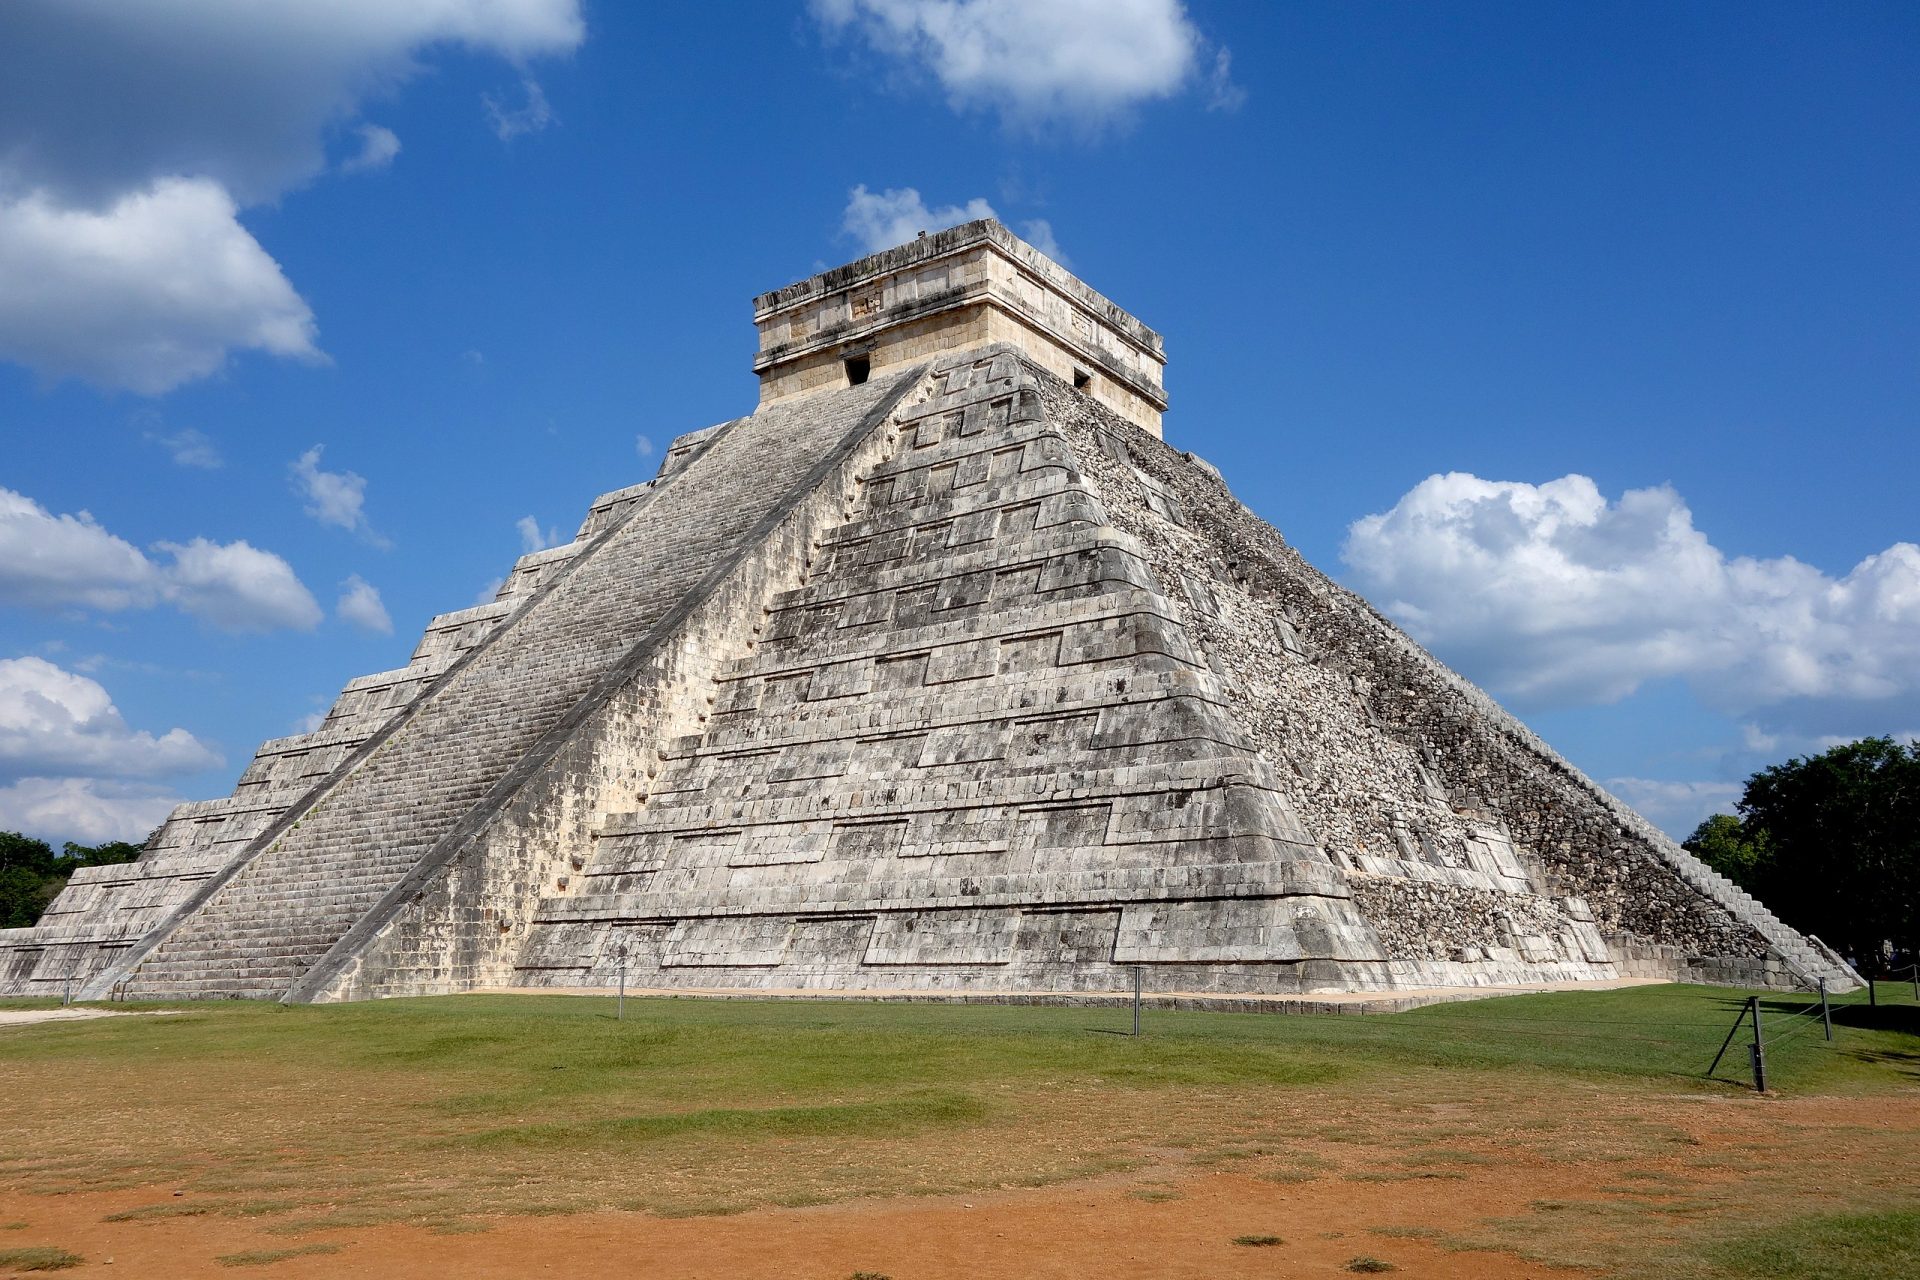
1090, 1229
1757, 1162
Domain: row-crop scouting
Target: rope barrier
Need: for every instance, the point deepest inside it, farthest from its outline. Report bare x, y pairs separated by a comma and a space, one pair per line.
1787, 1036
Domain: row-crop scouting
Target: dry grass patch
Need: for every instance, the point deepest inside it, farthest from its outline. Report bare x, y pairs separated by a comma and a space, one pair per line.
267, 1257
44, 1258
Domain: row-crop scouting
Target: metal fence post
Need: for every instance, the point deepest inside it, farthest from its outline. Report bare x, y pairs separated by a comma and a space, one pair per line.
1759, 1048
622, 953
1726, 1044
1826, 1014
1136, 1000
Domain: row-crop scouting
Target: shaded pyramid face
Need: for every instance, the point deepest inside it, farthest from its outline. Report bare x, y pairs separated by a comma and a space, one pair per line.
939, 672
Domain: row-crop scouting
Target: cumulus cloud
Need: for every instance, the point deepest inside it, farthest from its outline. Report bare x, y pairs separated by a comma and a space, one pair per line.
98, 97
360, 605
237, 587
1038, 232
335, 498
54, 723
87, 810
1082, 62
879, 220
70, 766
533, 538
151, 291
1555, 595
131, 134
64, 561
1676, 807
189, 448
378, 146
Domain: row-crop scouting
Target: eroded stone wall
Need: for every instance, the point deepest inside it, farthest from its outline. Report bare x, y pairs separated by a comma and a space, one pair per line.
1407, 774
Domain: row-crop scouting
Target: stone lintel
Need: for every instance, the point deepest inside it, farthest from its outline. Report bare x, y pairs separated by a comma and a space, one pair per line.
951, 291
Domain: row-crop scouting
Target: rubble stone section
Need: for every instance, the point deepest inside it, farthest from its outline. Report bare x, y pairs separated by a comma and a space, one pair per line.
1479, 854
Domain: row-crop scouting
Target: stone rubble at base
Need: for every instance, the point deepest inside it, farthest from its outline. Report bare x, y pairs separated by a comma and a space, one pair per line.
947, 676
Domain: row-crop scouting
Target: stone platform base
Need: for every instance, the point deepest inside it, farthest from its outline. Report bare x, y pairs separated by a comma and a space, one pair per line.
1319, 1002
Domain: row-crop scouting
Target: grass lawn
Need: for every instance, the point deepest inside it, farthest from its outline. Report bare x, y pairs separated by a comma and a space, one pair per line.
448, 1112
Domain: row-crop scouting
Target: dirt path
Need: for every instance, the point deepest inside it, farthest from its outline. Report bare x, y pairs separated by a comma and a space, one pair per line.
30, 1017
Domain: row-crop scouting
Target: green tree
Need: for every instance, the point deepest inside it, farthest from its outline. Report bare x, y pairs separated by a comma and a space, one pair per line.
32, 874
18, 851
1836, 839
1724, 843
112, 853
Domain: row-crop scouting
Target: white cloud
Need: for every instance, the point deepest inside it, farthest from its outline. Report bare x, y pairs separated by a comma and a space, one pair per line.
1222, 93
881, 220
237, 587
1081, 62
1676, 807
98, 97
643, 446
360, 604
378, 146
516, 122
147, 293
130, 134
190, 448
1555, 595
56, 724
66, 561
337, 498
533, 538
86, 810
1038, 232
71, 562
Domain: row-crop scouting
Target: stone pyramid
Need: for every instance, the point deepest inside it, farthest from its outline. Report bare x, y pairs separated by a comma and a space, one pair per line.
939, 673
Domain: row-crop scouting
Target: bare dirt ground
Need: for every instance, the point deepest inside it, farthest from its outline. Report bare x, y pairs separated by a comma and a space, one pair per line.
32, 1017
1583, 1181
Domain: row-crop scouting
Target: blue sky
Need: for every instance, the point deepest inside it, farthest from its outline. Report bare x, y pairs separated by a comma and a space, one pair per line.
1581, 338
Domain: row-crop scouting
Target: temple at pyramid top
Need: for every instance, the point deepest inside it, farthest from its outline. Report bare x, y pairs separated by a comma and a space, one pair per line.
950, 291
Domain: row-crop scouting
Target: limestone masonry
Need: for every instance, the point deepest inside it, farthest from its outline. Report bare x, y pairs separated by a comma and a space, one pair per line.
938, 672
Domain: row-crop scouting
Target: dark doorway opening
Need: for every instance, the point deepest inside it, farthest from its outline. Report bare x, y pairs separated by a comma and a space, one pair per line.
858, 367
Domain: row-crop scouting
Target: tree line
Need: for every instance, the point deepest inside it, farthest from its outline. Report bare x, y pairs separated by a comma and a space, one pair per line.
1831, 844
32, 874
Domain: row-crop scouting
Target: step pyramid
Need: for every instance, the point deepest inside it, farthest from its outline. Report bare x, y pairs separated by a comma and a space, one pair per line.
938, 673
